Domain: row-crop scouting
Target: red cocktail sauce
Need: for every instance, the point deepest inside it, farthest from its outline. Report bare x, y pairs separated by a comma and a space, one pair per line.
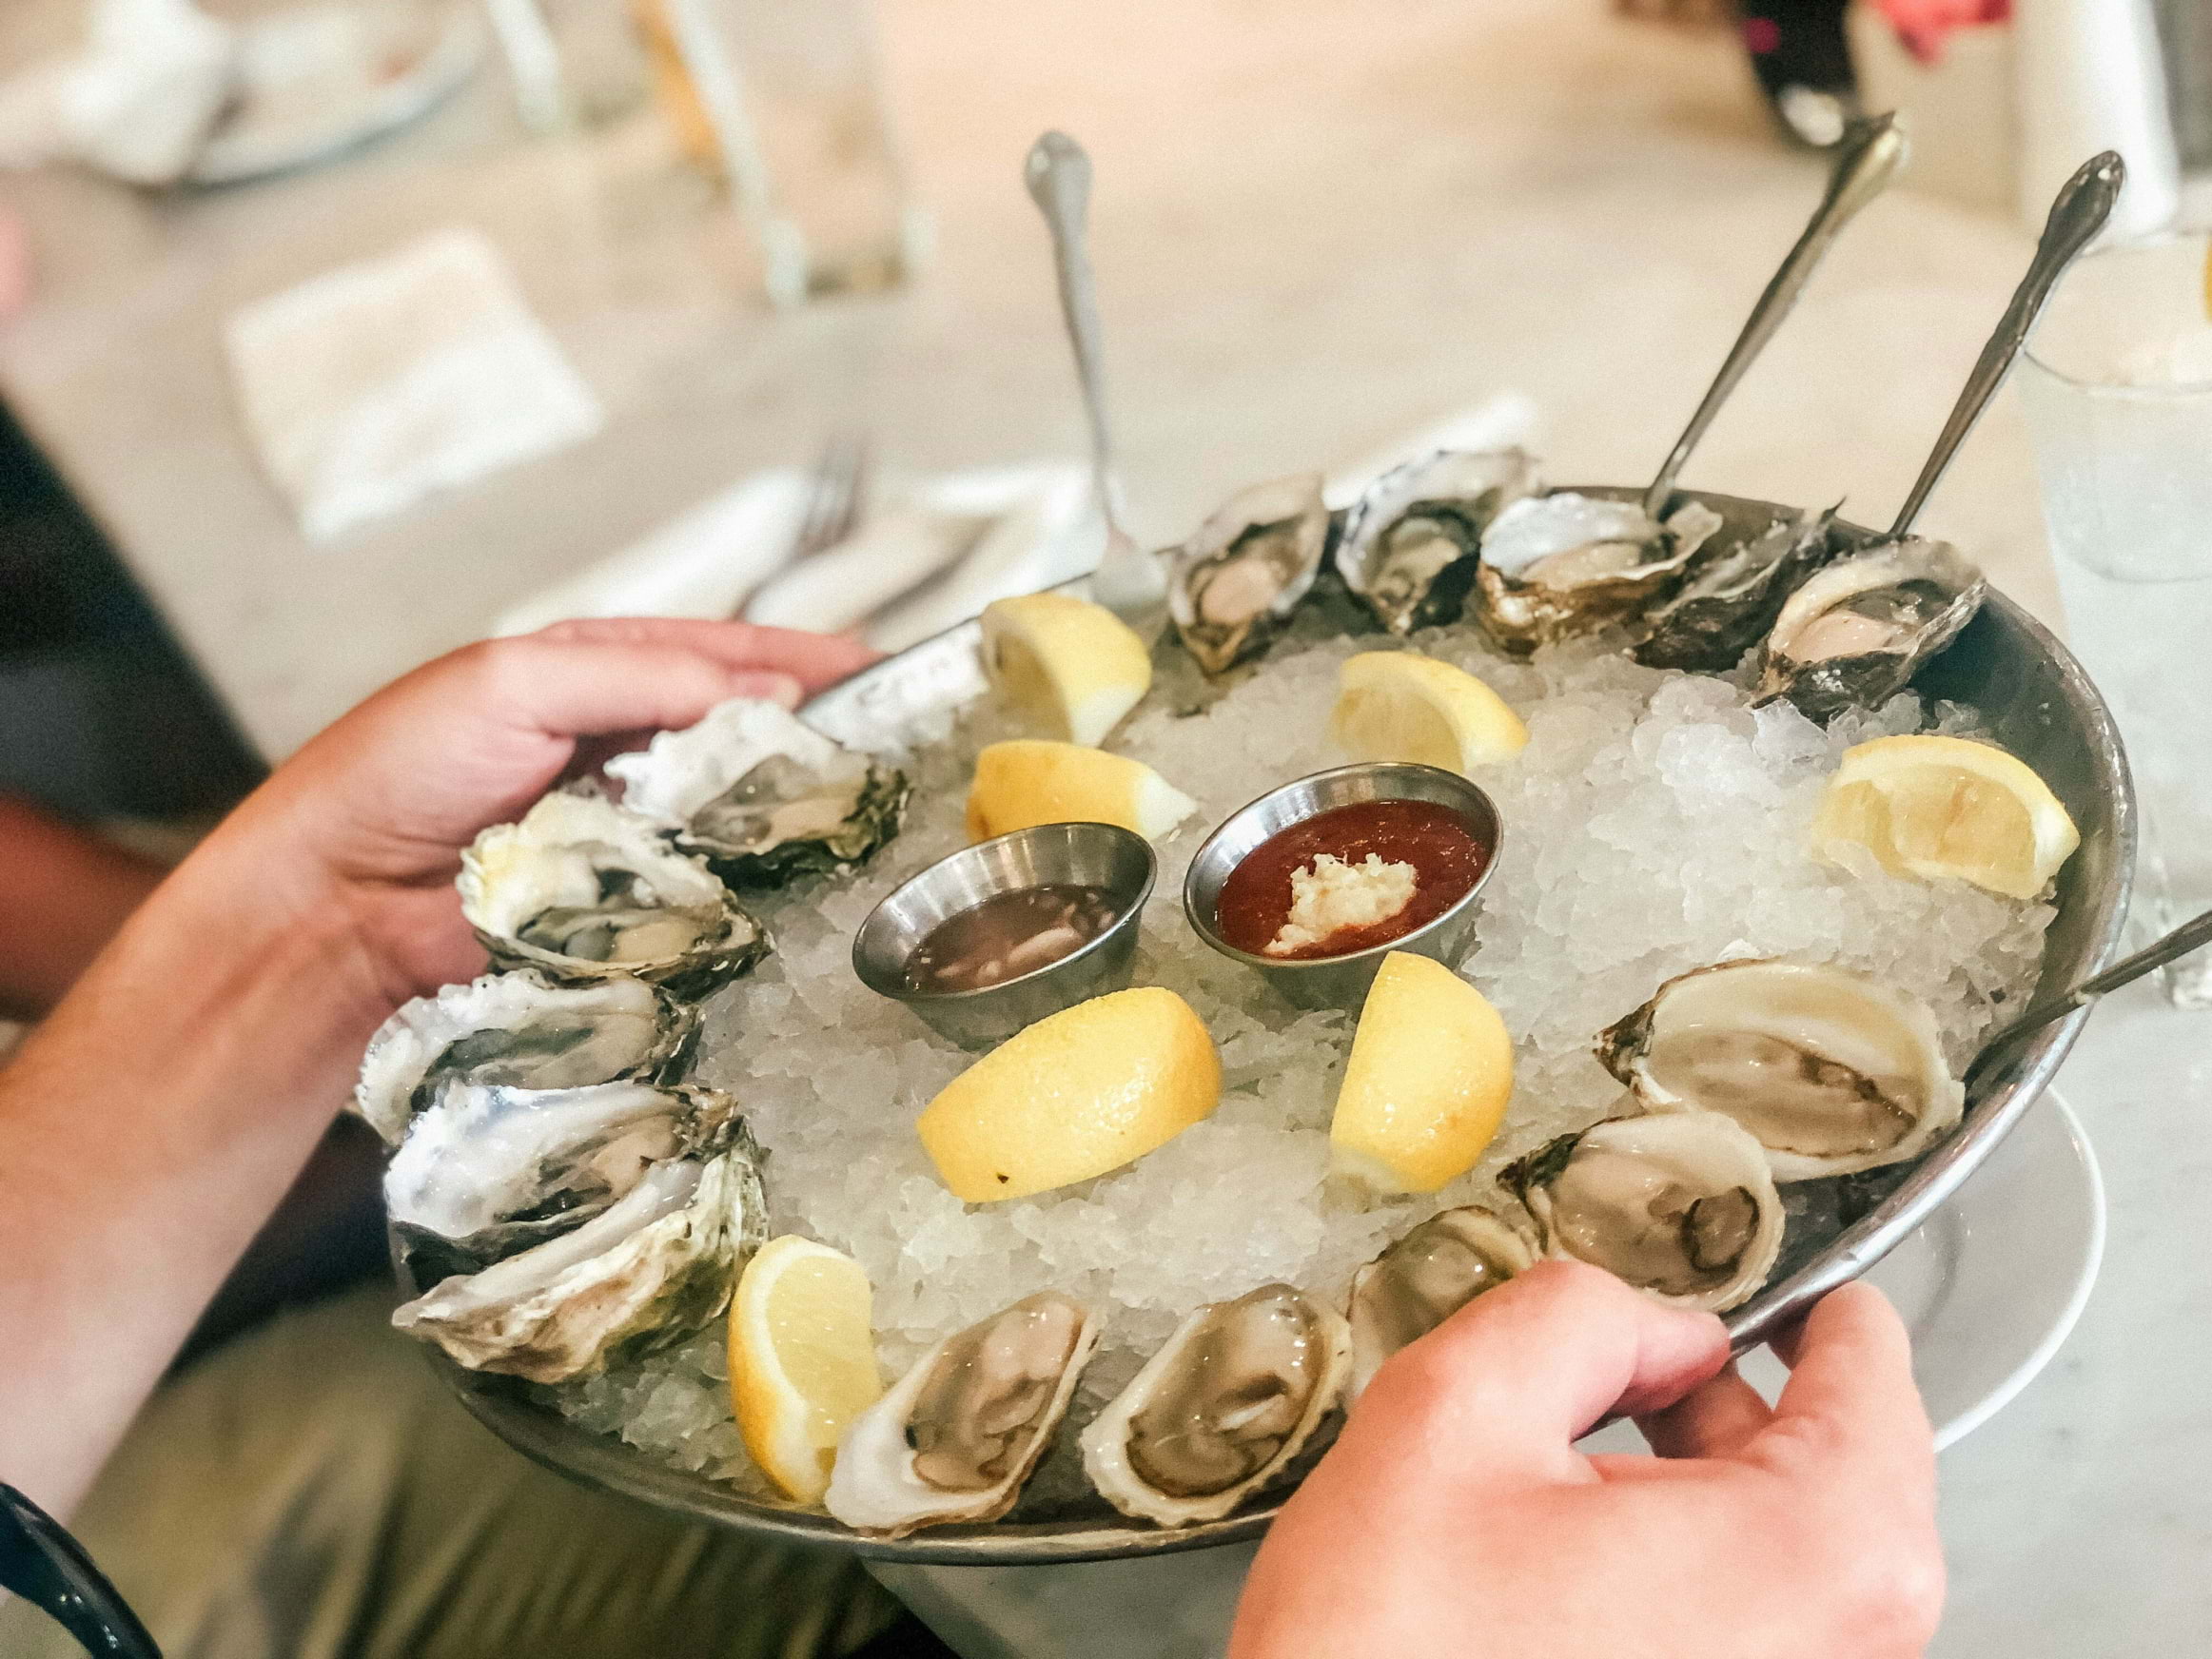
1446, 858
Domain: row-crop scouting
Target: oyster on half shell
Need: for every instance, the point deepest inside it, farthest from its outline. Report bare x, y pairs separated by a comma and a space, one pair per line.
1222, 1409
762, 796
957, 1437
518, 1030
487, 1170
1679, 1204
1558, 565
1831, 1072
1734, 594
1410, 541
583, 889
1858, 631
1424, 1278
641, 1274
1233, 585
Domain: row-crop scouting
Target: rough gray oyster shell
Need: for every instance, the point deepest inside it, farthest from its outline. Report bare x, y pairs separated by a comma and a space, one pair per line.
1427, 1275
1565, 564
1232, 586
1679, 1204
762, 796
583, 889
955, 1438
1222, 1409
520, 1030
1409, 544
1734, 594
1831, 1071
1856, 631
642, 1274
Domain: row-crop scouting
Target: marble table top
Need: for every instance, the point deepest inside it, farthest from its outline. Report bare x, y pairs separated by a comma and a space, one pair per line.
1317, 225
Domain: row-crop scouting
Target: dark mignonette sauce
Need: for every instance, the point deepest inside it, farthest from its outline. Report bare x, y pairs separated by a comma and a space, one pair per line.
1446, 857
1007, 935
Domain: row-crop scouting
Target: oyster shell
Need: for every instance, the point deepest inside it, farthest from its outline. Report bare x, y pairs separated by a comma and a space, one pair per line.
642, 1274
957, 1437
1734, 594
1859, 629
518, 1029
761, 796
488, 1169
1558, 565
1832, 1072
1680, 1204
1222, 1409
583, 889
1409, 545
1427, 1275
1233, 585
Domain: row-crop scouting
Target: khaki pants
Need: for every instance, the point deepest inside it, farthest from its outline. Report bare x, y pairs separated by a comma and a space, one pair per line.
311, 1491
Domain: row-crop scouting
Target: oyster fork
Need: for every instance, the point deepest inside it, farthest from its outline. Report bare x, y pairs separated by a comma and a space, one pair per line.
834, 495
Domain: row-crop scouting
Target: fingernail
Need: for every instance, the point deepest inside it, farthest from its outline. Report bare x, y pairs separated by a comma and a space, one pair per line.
775, 687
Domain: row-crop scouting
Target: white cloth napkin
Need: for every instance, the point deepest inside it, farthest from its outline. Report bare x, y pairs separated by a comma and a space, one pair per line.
373, 385
136, 101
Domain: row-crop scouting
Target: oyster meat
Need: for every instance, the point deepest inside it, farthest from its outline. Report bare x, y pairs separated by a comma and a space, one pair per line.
761, 796
521, 1031
1734, 596
583, 889
1222, 1409
1832, 1072
1680, 1204
1232, 586
1426, 1277
1409, 545
957, 1437
642, 1274
1858, 631
1559, 565
488, 1169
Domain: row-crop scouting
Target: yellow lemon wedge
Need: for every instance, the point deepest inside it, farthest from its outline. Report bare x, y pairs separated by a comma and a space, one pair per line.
1084, 1091
1035, 781
1934, 807
1427, 1082
802, 1359
1401, 706
1070, 668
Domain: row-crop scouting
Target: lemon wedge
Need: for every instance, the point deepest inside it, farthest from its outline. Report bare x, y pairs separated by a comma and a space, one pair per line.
1035, 781
802, 1359
1427, 1082
1935, 807
1084, 1091
1401, 706
1068, 667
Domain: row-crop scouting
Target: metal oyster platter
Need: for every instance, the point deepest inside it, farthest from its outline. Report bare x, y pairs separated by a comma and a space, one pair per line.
2037, 704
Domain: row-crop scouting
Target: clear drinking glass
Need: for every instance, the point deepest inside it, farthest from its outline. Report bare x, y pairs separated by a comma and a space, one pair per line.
2118, 389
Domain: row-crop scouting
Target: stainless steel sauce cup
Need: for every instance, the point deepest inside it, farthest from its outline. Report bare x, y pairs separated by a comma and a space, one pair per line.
1100, 855
1341, 982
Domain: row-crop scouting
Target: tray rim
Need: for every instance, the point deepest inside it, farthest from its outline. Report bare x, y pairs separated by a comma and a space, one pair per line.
2003, 1097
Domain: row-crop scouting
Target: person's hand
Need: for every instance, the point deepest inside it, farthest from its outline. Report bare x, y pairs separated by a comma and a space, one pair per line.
373, 814
1455, 1518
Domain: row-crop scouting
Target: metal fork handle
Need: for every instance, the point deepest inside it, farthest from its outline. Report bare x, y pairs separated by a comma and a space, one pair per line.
1868, 159
1058, 175
2191, 935
2078, 213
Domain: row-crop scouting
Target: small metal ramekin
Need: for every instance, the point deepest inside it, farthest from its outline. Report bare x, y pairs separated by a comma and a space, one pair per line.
1341, 982
1100, 855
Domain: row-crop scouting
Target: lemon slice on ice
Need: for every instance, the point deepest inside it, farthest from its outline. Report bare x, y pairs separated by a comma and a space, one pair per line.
1400, 705
1084, 1091
1427, 1085
802, 1359
1034, 781
1068, 667
1934, 807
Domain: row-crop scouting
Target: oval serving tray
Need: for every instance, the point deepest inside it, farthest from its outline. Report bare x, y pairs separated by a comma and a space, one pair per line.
2040, 705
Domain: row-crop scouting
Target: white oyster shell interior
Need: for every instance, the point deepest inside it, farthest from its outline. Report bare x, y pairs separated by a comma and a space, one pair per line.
680, 774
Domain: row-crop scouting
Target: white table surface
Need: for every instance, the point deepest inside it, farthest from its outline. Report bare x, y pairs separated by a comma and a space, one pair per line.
1319, 224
